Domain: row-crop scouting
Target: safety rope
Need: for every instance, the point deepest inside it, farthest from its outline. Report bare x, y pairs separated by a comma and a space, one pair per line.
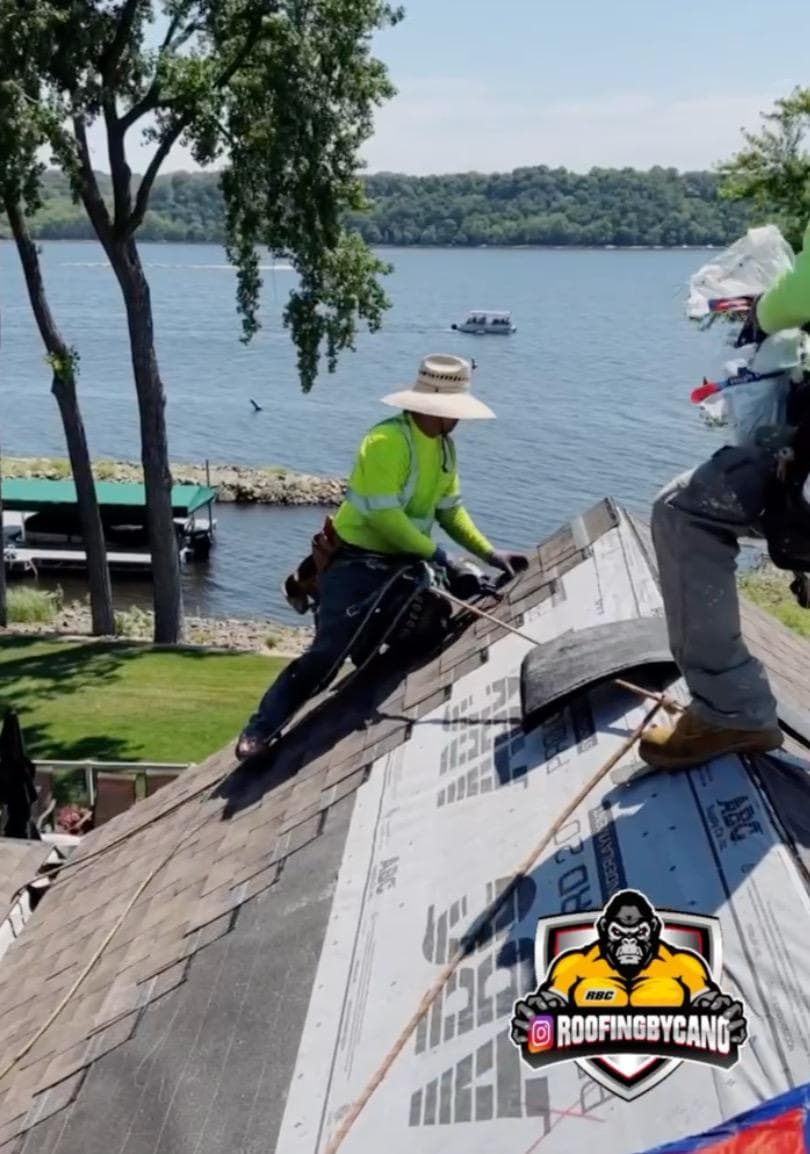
421, 582
76, 863
474, 934
208, 790
97, 953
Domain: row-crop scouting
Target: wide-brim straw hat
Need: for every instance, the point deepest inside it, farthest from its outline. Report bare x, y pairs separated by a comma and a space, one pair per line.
442, 389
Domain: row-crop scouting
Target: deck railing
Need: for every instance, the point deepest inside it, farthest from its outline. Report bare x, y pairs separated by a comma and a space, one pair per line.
139, 779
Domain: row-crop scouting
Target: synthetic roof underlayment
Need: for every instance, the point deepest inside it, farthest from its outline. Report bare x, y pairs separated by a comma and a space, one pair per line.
259, 979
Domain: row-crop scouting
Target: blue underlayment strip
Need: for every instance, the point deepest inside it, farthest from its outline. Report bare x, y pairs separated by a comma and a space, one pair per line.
799, 1096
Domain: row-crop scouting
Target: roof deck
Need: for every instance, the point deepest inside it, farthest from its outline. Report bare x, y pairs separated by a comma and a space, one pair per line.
298, 913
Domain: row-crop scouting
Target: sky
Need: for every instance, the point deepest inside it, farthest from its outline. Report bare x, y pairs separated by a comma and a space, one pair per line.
491, 85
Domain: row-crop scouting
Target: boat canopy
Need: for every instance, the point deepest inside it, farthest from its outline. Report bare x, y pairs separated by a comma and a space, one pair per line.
36, 496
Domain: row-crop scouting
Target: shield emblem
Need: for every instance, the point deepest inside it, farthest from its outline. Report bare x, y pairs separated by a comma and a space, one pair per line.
628, 1075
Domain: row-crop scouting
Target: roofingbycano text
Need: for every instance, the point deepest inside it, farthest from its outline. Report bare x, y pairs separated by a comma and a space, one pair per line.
564, 1036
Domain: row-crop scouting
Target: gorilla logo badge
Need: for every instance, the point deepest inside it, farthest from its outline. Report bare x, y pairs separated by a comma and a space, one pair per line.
629, 993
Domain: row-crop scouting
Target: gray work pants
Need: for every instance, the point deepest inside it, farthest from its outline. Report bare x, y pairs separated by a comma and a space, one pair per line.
697, 522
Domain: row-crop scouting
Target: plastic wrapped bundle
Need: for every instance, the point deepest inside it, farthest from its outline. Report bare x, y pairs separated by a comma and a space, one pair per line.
714, 412
745, 269
755, 392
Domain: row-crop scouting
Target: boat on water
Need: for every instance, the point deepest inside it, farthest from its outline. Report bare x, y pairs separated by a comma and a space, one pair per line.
483, 322
42, 528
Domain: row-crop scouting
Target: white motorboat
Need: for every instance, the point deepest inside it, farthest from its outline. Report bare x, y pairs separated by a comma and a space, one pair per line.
482, 322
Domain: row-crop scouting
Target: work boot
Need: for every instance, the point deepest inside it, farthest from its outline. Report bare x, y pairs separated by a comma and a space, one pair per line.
691, 741
253, 745
294, 595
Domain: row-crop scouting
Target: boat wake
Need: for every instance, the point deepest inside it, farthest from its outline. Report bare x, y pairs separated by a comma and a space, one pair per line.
161, 265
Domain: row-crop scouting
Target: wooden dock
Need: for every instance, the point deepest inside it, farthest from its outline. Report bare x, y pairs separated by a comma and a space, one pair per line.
27, 561
41, 526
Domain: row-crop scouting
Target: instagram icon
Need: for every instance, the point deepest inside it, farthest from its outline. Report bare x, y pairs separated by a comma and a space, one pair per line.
541, 1033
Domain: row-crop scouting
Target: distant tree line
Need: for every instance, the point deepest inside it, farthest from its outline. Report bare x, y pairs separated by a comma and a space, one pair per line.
530, 206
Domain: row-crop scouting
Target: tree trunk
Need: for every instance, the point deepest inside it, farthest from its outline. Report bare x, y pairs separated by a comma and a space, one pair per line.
98, 573
63, 387
3, 608
167, 587
3, 604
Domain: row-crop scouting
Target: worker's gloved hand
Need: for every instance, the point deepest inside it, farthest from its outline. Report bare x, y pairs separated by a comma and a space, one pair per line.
508, 563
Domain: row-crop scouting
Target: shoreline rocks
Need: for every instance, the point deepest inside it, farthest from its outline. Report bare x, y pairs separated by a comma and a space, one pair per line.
269, 638
237, 484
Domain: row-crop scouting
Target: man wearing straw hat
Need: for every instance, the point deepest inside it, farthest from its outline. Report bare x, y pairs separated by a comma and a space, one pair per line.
404, 479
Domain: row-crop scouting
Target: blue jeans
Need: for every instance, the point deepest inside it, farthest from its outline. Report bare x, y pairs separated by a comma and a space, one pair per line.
347, 591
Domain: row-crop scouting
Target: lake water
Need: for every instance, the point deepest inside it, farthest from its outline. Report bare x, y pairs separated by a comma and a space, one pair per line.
591, 393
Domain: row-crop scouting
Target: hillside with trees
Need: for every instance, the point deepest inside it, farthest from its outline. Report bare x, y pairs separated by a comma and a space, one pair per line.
530, 206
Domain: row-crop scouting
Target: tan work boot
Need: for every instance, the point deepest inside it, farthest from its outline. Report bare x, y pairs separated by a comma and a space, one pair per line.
691, 741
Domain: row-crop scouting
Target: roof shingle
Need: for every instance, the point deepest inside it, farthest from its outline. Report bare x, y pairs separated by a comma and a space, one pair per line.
225, 855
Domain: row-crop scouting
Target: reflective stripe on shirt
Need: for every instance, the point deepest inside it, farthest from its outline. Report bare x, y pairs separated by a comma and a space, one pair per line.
373, 504
379, 502
450, 502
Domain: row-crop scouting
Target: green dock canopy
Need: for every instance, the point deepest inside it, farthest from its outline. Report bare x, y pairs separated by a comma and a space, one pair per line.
37, 496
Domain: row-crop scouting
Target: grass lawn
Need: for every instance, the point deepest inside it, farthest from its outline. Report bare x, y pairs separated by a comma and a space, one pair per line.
127, 703
769, 588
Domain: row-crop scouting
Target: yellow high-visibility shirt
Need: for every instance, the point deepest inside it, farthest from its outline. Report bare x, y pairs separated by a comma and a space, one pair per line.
402, 482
